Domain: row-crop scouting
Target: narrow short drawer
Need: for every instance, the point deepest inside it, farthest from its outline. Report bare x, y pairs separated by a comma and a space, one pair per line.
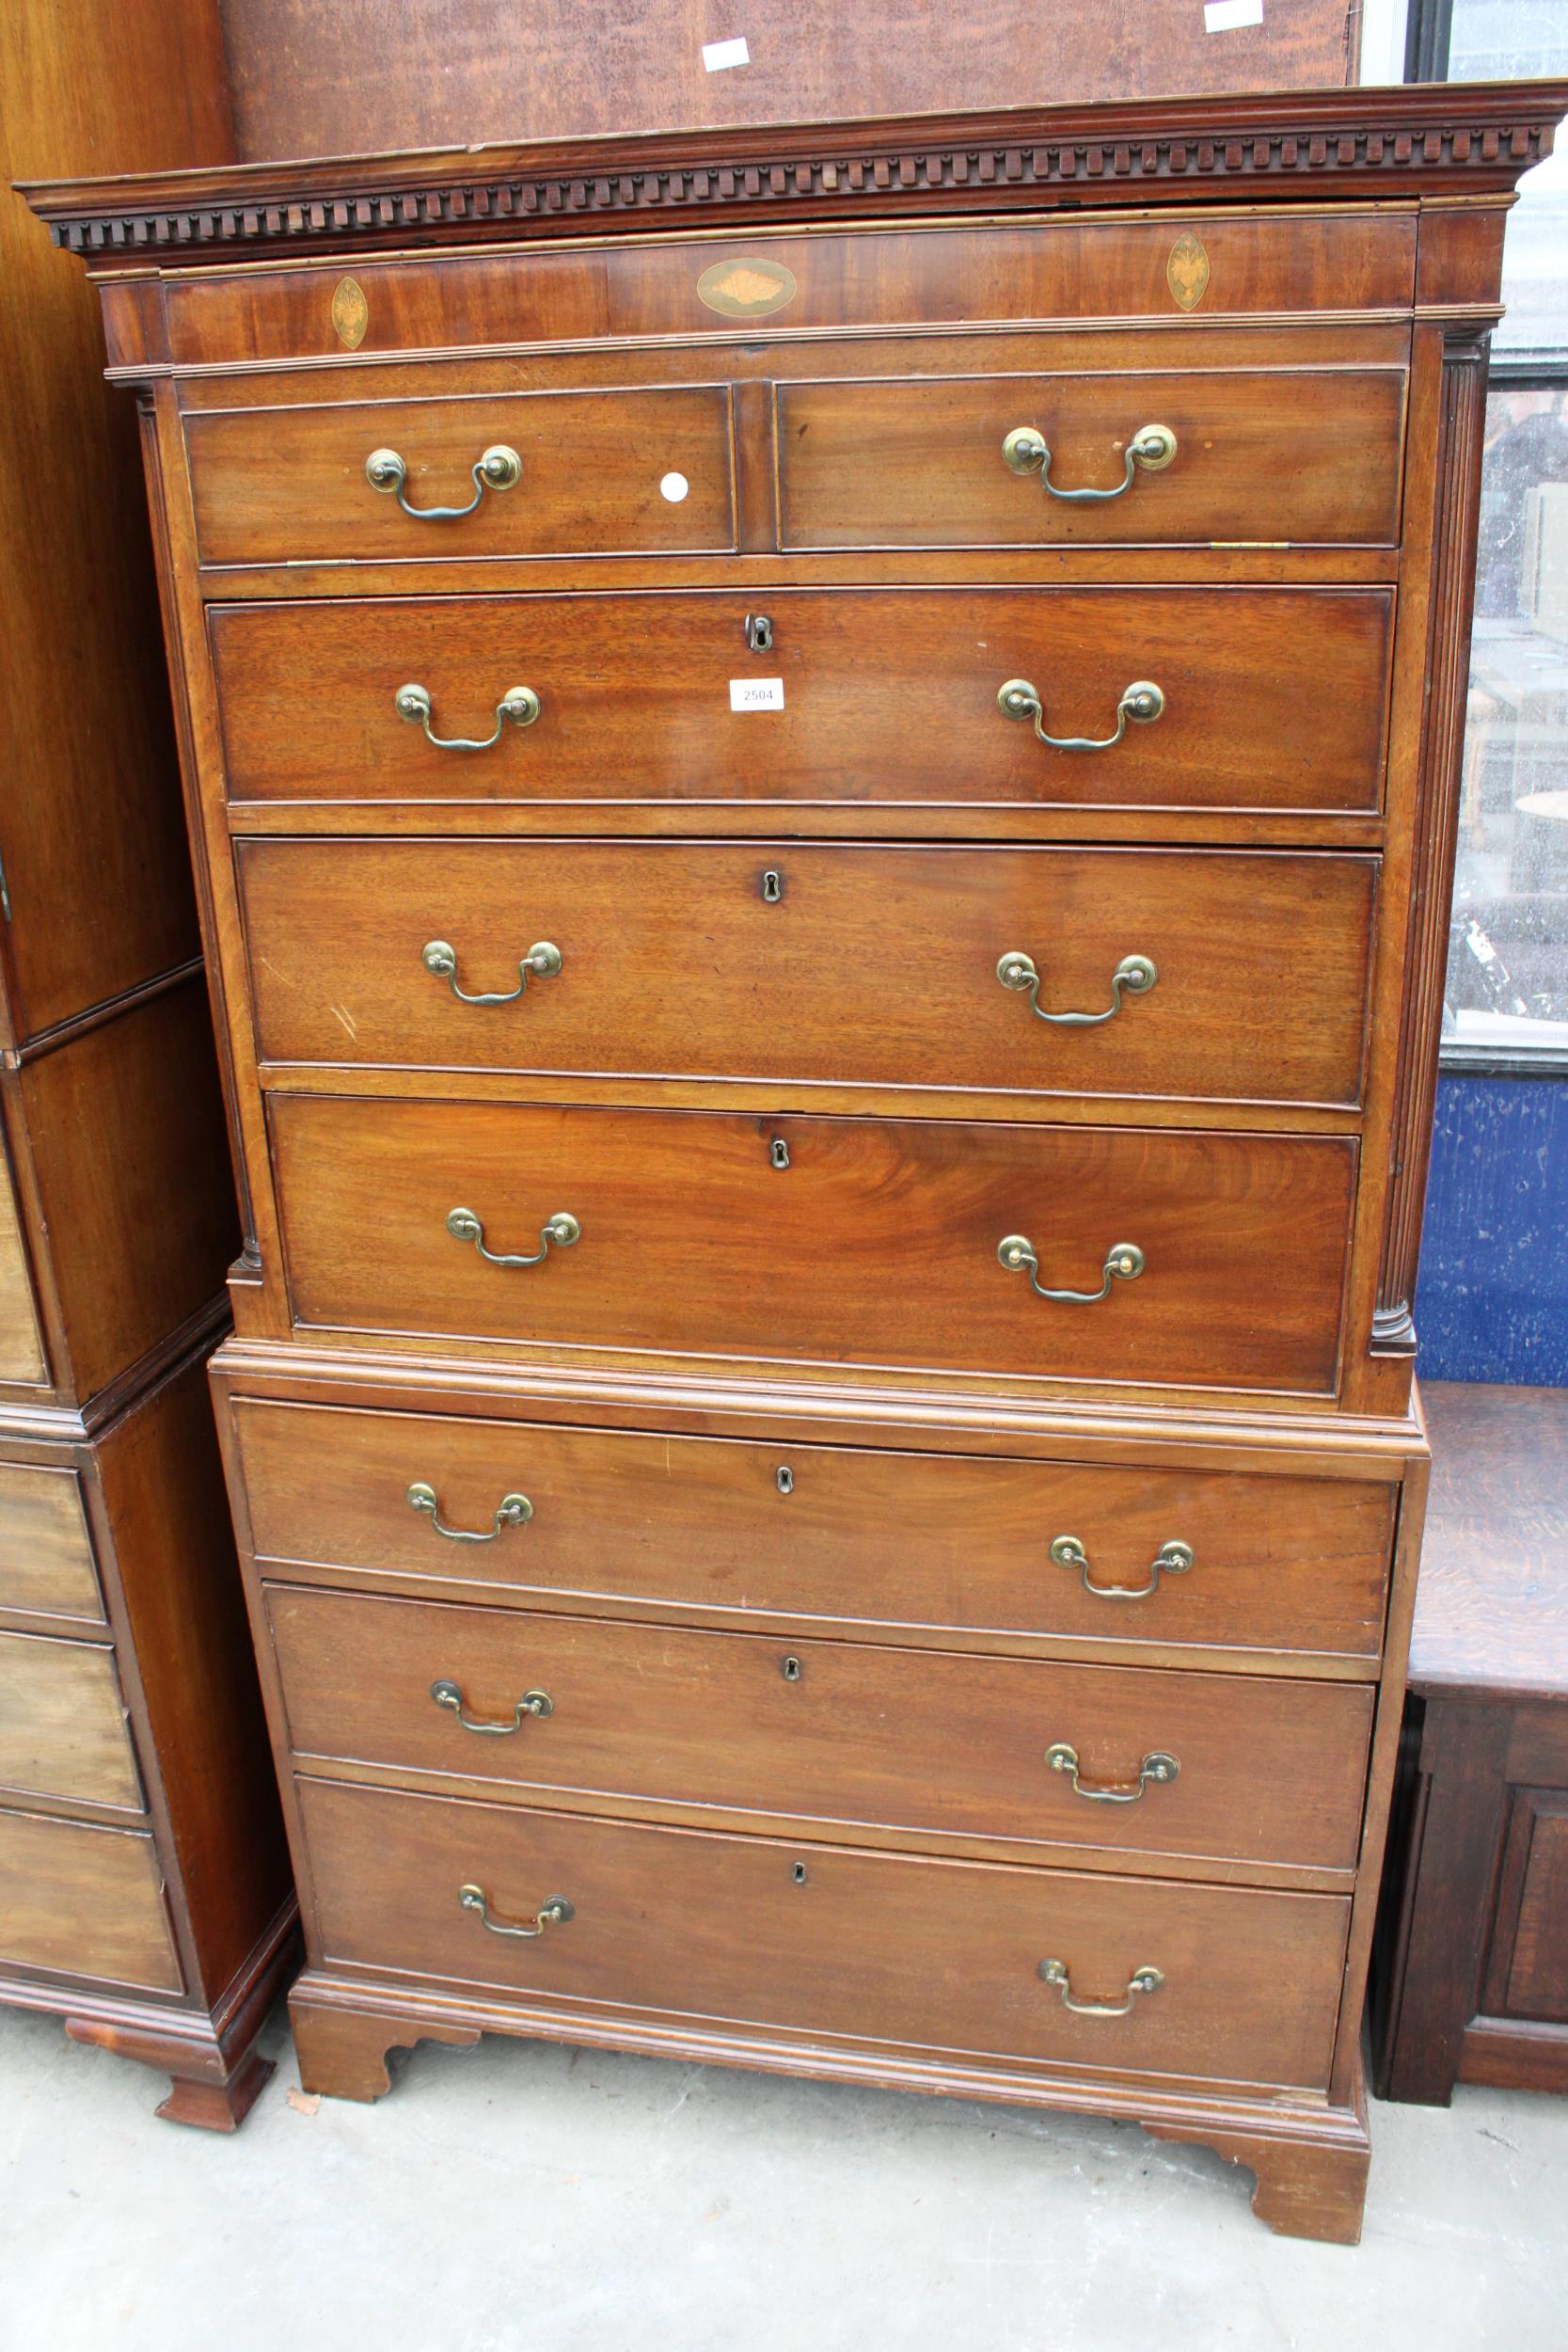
641, 472
46, 1559
915, 1242
878, 698
1235, 1983
890, 1544
63, 1730
1143, 973
1304, 458
1001, 1751
84, 1901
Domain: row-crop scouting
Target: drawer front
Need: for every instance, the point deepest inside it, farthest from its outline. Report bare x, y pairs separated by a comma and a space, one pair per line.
886, 697
837, 1534
895, 1948
870, 966
46, 1562
276, 484
21, 1347
1308, 457
1243, 1769
63, 1731
832, 1241
84, 1901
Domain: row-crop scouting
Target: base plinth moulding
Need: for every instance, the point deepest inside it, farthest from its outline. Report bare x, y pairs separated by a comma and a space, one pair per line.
1310, 2160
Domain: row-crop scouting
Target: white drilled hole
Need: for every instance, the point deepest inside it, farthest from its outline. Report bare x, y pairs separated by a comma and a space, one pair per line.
673, 488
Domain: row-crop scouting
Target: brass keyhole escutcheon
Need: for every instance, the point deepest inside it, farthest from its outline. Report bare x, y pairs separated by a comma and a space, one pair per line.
778, 1153
783, 1478
772, 886
759, 633
798, 1874
791, 1670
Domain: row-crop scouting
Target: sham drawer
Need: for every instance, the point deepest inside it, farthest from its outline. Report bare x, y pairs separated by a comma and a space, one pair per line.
63, 1728
84, 1901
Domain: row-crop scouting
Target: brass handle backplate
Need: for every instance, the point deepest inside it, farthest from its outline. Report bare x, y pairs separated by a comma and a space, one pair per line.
1172, 1558
439, 958
519, 703
553, 1913
563, 1229
1016, 971
1141, 1980
498, 468
1152, 448
1124, 1263
1156, 1770
449, 1696
1142, 702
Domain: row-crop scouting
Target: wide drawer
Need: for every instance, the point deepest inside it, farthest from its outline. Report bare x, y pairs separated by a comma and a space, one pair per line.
21, 1347
828, 1240
1301, 458
1161, 1763
84, 1901
642, 471
46, 1561
63, 1731
877, 696
882, 1947
844, 965
829, 1535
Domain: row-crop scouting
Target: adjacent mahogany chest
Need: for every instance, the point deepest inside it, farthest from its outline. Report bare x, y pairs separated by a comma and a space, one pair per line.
145, 1891
823, 765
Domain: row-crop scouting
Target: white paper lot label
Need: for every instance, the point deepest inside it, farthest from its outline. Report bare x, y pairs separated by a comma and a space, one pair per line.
719, 55
756, 694
1231, 16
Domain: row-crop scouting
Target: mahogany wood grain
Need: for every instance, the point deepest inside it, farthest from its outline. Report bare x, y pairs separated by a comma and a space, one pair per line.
869, 967
288, 485
124, 1126
63, 1730
942, 273
1537, 1981
694, 1241
91, 795
830, 1732
889, 697
1304, 458
1492, 1612
309, 83
84, 1901
46, 1559
22, 1356
899, 1947
696, 1528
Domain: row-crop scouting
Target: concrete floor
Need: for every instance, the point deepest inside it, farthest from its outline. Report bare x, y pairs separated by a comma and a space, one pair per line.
524, 2198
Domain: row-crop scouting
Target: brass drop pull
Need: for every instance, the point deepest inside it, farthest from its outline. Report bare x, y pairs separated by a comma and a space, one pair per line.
1141, 1980
554, 1912
1016, 971
519, 703
440, 959
1172, 1558
563, 1229
1124, 1263
1156, 1770
511, 1511
449, 1696
1152, 448
1142, 702
498, 468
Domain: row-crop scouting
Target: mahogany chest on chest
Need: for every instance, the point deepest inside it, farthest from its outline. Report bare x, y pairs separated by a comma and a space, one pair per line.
823, 765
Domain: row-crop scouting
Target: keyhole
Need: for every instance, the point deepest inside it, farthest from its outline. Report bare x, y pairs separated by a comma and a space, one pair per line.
759, 633
798, 1874
792, 1669
778, 1151
772, 886
783, 1478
